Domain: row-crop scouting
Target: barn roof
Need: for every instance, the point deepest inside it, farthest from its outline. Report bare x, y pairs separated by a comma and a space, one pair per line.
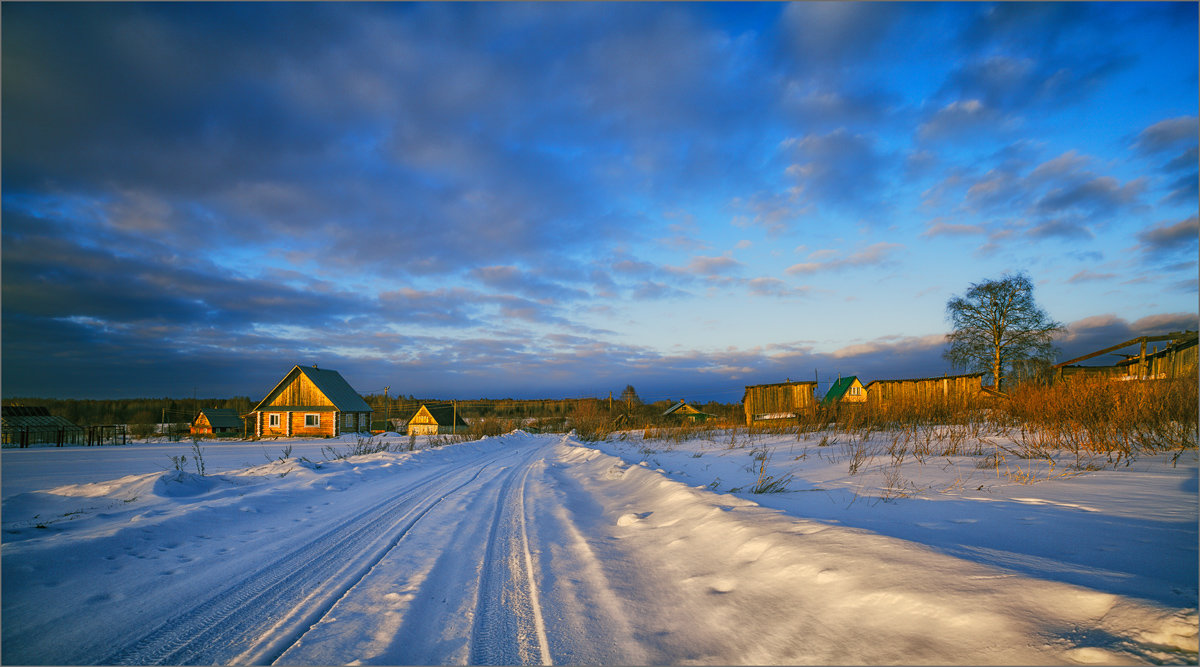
936, 377
222, 417
839, 389
330, 383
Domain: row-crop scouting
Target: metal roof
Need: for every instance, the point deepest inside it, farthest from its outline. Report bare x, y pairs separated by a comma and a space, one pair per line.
839, 389
222, 417
328, 382
443, 414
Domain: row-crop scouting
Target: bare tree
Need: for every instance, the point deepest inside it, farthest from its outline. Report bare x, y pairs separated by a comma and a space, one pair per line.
996, 323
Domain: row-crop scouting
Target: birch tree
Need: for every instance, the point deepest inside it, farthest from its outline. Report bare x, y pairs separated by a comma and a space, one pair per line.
996, 323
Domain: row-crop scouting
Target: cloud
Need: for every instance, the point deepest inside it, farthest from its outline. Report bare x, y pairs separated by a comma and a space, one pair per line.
877, 254
839, 168
941, 228
1168, 134
1169, 239
774, 287
958, 119
1090, 276
1063, 228
1096, 195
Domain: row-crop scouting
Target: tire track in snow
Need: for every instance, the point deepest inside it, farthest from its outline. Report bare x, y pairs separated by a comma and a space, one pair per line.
257, 618
508, 628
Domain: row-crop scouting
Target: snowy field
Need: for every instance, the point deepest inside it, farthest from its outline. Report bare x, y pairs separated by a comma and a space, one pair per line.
544, 549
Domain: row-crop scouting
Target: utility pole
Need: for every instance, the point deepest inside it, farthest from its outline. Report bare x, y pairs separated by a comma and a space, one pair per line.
386, 409
454, 420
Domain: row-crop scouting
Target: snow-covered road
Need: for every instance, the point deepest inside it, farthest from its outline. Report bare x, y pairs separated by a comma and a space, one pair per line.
513, 550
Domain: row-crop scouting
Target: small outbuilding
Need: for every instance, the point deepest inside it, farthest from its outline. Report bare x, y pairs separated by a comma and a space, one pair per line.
685, 412
436, 419
217, 421
845, 390
779, 401
311, 402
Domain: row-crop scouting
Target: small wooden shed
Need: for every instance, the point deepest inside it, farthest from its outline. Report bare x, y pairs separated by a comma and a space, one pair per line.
782, 400
435, 420
217, 421
311, 402
845, 390
685, 412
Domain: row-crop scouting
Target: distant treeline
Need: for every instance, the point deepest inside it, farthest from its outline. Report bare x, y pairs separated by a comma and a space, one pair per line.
182, 410
87, 412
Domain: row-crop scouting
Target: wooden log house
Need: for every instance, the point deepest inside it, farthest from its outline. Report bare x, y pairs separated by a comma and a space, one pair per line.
685, 412
311, 402
845, 390
217, 421
435, 420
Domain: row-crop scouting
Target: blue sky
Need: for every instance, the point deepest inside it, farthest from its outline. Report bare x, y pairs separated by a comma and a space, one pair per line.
556, 200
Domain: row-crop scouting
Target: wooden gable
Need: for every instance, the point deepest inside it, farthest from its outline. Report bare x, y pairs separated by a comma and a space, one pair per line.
297, 390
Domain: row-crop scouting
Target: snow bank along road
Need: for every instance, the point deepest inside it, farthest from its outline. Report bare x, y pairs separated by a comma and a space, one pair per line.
512, 550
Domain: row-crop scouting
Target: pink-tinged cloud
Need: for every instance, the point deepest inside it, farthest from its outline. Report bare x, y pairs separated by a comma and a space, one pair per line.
877, 254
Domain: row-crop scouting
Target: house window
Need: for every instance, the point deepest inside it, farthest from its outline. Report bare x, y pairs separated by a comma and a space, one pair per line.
312, 420
855, 391
274, 417
348, 420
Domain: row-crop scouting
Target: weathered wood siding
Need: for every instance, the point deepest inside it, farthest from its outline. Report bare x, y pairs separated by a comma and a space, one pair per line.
778, 401
300, 391
955, 389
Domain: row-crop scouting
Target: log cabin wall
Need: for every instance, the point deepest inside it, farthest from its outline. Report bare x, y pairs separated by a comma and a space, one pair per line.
326, 424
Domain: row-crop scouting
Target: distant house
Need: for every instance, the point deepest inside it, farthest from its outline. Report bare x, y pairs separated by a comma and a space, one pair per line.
436, 419
782, 400
23, 426
311, 402
845, 390
217, 421
683, 411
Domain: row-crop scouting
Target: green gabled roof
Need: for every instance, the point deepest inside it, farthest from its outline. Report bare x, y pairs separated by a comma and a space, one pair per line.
839, 389
330, 383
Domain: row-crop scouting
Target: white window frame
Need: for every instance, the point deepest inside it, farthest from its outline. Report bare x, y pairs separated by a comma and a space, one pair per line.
312, 414
855, 391
347, 420
273, 420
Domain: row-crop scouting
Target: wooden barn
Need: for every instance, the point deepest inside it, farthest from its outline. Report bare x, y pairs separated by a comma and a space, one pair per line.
1176, 359
217, 421
311, 402
782, 400
944, 390
435, 420
845, 390
685, 412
